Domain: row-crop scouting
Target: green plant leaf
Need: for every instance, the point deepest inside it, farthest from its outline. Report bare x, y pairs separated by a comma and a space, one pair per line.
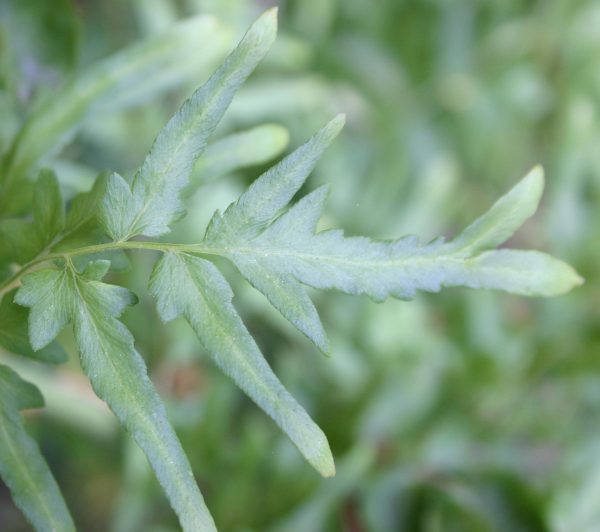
117, 372
275, 251
193, 287
257, 207
150, 203
48, 209
20, 241
253, 146
13, 333
22, 466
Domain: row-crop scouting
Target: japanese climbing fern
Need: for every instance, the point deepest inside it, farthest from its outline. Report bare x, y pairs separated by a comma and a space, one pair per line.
52, 267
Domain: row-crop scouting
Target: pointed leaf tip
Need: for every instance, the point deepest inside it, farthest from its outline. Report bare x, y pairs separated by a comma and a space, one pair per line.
336, 124
272, 12
152, 201
323, 461
569, 279
266, 23
533, 182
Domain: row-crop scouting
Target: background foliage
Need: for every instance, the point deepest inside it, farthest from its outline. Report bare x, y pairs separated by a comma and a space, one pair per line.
457, 411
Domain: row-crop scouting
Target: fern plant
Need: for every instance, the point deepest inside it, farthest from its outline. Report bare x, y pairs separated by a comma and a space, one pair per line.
58, 259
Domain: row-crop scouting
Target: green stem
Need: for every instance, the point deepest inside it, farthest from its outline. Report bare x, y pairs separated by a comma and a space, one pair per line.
99, 248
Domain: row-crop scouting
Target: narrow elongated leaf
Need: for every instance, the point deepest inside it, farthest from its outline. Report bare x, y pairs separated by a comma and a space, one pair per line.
44, 42
193, 287
271, 252
22, 466
245, 219
152, 201
18, 393
19, 241
117, 372
254, 146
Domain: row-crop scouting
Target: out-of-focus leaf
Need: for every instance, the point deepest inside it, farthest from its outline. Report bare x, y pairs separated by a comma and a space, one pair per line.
22, 466
20, 241
504, 217
245, 219
276, 252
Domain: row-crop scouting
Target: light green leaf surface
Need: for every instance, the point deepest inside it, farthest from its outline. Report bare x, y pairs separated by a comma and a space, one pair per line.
117, 372
254, 146
193, 287
275, 253
22, 467
244, 220
152, 201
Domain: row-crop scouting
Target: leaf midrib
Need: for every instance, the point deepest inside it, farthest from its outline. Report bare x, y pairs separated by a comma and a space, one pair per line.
223, 334
132, 400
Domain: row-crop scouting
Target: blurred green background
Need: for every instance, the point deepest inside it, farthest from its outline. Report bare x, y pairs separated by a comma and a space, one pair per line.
460, 411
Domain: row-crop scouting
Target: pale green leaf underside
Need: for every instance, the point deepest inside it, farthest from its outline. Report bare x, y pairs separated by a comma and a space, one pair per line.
359, 265
279, 252
117, 372
193, 287
150, 203
244, 220
22, 466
